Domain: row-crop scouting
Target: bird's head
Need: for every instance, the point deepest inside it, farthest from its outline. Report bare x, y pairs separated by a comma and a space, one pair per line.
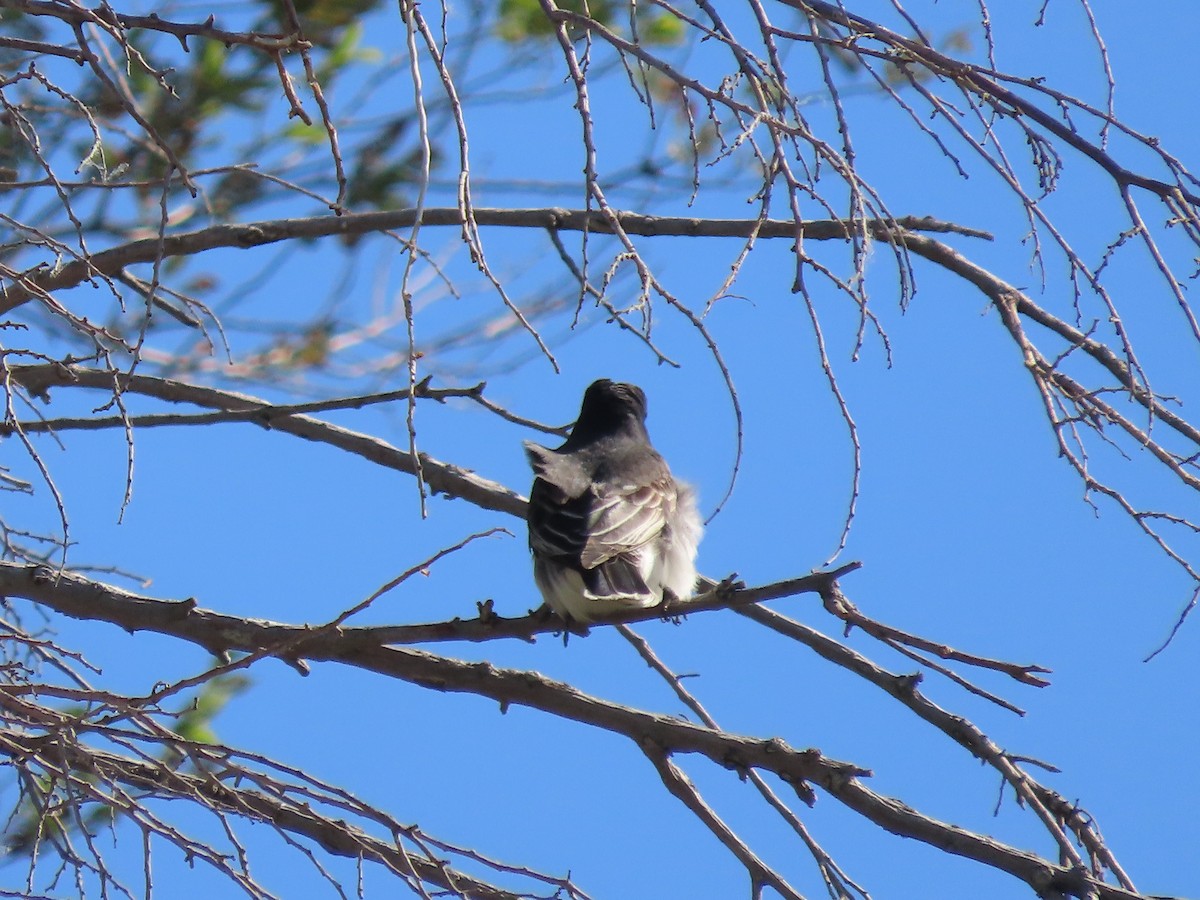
609, 407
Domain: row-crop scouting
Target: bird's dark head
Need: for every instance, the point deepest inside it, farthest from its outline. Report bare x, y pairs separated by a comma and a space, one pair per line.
609, 407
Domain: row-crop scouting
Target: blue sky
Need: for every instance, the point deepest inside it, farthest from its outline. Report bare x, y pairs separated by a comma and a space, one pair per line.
970, 529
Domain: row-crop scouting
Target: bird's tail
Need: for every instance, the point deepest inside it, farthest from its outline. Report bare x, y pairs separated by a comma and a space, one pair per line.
620, 579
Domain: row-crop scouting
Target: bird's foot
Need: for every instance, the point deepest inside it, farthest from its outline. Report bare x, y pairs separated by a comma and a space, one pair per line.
487, 615
664, 608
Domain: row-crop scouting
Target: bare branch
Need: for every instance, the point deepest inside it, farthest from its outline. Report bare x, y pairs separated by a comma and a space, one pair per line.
257, 234
335, 836
79, 597
442, 477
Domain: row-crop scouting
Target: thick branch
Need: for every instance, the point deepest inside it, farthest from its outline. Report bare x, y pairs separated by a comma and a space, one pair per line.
489, 626
78, 597
443, 478
904, 689
255, 234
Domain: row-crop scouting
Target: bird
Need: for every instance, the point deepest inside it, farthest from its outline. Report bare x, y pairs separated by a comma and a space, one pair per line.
610, 528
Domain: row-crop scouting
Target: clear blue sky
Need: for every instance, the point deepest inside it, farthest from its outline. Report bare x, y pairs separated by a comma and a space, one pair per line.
971, 531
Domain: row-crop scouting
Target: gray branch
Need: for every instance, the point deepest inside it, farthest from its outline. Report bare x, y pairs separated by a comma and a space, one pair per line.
256, 234
335, 836
442, 477
79, 597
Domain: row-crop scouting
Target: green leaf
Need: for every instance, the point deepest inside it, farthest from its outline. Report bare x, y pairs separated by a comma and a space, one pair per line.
522, 20
305, 134
660, 28
195, 723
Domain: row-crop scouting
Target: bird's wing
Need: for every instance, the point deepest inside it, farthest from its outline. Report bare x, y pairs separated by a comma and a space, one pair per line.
624, 518
558, 524
565, 472
589, 508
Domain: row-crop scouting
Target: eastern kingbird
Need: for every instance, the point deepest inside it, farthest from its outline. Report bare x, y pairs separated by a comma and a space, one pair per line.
609, 527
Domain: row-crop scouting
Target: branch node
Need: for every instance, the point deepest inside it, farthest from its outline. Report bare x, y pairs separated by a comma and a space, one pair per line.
908, 683
181, 609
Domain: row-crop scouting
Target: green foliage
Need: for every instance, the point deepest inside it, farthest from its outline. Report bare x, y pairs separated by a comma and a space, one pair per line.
524, 20
323, 20
183, 104
347, 50
659, 28
207, 103
195, 723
